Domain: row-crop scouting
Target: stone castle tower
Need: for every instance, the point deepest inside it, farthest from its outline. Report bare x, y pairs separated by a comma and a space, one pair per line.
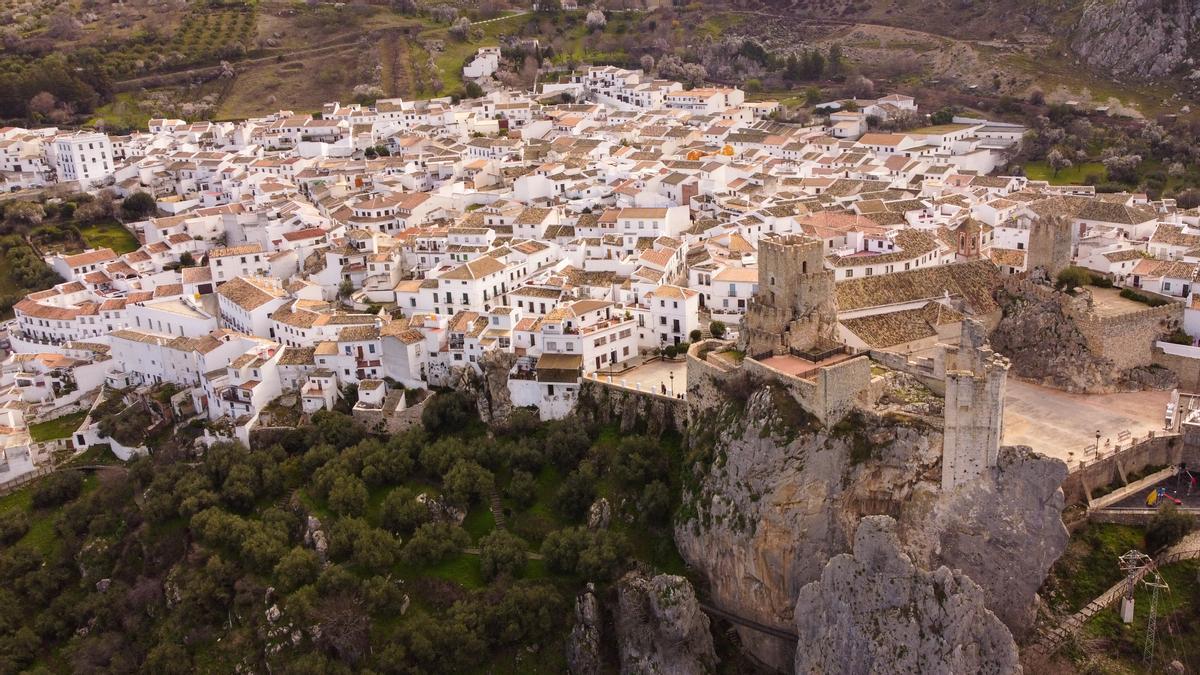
975, 382
1050, 244
795, 305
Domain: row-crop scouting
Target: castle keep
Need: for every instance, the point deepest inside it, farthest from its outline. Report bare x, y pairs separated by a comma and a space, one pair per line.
794, 308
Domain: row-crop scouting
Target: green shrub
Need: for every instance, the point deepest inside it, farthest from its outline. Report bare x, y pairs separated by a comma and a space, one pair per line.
58, 488
13, 525
1167, 527
1072, 277
1130, 294
1178, 337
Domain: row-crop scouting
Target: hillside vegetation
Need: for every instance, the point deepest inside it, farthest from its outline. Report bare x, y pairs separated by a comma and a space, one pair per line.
327, 549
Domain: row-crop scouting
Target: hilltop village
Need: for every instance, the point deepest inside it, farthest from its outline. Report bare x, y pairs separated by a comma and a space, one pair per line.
597, 229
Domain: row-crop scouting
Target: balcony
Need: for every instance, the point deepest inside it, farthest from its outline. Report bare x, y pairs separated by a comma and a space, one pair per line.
607, 323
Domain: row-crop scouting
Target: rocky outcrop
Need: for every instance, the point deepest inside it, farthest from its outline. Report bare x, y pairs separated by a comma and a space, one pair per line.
630, 410
492, 397
660, 627
599, 514
1138, 38
314, 537
773, 500
1059, 340
441, 510
583, 644
874, 611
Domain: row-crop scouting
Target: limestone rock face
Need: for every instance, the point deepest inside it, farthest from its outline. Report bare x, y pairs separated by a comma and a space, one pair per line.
583, 645
771, 505
1139, 38
630, 410
1004, 530
874, 611
660, 628
769, 511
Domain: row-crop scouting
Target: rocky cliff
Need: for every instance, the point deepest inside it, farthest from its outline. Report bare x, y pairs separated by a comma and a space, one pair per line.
874, 611
984, 528
631, 411
775, 497
1139, 38
584, 642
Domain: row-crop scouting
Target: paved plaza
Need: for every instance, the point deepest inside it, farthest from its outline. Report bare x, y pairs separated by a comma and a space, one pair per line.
652, 376
1056, 423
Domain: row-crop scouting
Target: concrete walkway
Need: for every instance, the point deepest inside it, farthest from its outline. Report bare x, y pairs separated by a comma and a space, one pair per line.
1056, 423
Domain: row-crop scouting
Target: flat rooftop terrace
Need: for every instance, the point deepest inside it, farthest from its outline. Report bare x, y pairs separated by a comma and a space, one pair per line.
1108, 303
802, 368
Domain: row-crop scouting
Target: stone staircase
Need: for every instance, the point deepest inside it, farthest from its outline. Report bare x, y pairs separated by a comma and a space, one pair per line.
496, 506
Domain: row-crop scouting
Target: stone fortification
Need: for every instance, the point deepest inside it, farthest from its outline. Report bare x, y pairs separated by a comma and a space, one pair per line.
1062, 341
794, 307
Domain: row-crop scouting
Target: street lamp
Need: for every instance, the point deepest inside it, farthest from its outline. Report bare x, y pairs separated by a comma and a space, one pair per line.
672, 376
1097, 442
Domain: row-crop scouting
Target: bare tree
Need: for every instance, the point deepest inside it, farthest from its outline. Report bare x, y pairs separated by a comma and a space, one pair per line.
64, 27
461, 28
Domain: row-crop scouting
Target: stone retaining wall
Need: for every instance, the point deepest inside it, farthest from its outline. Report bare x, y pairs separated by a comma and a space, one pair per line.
1158, 451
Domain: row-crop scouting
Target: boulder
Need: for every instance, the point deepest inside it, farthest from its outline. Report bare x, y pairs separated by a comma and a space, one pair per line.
442, 511
314, 537
599, 514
